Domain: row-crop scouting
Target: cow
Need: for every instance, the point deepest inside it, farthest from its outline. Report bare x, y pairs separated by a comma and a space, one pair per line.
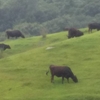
93, 26
4, 46
72, 32
62, 71
14, 33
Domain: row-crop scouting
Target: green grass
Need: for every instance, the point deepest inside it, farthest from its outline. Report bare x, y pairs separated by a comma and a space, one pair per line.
23, 68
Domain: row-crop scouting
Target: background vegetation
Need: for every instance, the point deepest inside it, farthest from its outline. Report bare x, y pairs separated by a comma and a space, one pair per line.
23, 68
31, 16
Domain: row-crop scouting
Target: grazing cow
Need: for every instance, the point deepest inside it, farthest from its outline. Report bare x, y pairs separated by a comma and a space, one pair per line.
4, 46
72, 32
62, 71
94, 26
14, 33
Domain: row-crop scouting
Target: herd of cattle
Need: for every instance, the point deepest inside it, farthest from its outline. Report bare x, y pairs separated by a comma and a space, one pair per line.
72, 32
59, 71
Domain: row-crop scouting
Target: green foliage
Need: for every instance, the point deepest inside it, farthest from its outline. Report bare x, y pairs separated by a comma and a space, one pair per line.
29, 29
23, 68
55, 15
43, 32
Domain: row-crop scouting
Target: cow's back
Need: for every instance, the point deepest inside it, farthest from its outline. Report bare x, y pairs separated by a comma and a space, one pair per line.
16, 32
61, 71
10, 33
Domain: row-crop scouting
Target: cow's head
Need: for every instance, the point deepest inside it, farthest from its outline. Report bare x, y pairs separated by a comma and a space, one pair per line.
7, 47
74, 78
81, 33
22, 36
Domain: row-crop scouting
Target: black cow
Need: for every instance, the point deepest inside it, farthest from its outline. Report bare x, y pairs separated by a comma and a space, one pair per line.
93, 26
14, 33
4, 46
62, 71
72, 32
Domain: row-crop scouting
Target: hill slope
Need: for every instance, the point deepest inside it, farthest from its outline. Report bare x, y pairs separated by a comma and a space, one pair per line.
22, 73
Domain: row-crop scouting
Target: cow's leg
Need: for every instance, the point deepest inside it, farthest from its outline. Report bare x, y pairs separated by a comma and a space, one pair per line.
52, 78
68, 80
62, 80
8, 37
89, 30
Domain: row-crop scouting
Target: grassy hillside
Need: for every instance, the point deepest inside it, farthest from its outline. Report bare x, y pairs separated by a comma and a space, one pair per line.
23, 68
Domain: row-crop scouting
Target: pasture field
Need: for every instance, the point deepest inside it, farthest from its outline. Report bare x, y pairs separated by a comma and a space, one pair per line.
23, 68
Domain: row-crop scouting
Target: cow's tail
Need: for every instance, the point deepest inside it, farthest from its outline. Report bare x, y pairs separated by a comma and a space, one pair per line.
47, 72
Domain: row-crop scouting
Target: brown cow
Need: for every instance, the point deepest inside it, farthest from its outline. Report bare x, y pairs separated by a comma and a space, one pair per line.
72, 32
14, 33
62, 71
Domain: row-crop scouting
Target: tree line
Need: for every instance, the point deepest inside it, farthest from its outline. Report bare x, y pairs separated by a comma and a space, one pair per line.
33, 17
